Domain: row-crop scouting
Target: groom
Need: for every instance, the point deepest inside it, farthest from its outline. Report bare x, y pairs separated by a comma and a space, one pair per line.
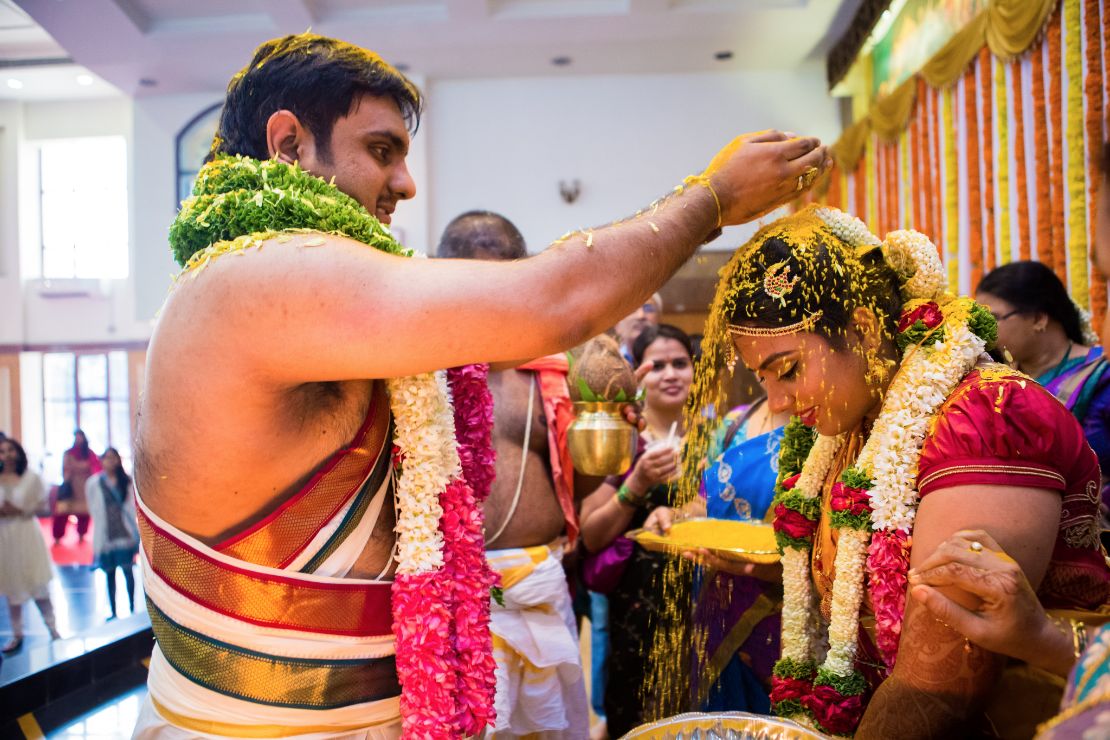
266, 368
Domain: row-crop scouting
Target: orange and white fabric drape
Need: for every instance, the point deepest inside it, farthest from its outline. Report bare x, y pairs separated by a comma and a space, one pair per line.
1000, 165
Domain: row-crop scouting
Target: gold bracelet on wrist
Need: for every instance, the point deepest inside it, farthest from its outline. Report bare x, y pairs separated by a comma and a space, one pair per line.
703, 180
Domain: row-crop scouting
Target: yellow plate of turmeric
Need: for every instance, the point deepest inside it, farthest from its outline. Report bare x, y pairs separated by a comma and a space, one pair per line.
745, 542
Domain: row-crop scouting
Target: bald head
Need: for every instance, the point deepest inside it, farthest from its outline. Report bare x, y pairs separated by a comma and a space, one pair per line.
646, 315
481, 235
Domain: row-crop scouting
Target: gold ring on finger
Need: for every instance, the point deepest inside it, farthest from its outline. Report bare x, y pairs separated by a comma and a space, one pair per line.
801, 183
809, 176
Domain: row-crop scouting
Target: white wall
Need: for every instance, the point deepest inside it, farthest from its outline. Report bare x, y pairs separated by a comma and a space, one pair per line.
157, 121
11, 304
505, 144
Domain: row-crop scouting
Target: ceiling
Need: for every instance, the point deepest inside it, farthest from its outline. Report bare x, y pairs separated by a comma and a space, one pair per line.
34, 67
144, 47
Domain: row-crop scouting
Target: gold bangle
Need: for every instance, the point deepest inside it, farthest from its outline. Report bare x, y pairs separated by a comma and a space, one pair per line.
703, 180
1078, 637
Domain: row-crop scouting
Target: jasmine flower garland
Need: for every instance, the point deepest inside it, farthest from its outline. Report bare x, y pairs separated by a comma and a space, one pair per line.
441, 592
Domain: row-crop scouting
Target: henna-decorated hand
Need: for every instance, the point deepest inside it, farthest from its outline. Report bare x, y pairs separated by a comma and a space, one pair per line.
973, 586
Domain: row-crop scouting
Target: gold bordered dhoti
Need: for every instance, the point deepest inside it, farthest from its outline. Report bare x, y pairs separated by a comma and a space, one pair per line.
261, 635
540, 687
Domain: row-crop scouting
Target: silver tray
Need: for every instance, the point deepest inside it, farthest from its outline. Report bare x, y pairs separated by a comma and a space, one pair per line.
723, 726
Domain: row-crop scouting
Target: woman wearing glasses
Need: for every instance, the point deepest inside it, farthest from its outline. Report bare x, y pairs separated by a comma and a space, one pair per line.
1049, 340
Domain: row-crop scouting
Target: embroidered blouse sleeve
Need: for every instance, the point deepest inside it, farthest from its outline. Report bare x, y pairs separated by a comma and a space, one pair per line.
1001, 431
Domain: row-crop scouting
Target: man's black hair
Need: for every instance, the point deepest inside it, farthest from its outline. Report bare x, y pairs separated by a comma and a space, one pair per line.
319, 80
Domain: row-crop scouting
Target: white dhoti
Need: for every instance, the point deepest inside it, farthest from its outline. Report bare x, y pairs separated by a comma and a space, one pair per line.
541, 691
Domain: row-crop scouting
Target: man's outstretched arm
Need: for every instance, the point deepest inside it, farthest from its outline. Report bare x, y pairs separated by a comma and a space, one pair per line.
292, 313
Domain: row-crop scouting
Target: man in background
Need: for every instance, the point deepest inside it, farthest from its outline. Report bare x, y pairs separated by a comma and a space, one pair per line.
530, 517
628, 328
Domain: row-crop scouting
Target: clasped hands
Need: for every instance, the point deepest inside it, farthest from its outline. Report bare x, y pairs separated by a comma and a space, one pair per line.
971, 585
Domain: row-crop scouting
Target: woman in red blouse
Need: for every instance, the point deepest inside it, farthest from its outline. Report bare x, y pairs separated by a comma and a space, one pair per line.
859, 339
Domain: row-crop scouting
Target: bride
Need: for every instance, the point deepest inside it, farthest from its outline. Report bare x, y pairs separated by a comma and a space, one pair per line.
918, 435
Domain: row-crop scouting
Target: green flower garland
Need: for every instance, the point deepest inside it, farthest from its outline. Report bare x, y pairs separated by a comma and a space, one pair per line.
236, 196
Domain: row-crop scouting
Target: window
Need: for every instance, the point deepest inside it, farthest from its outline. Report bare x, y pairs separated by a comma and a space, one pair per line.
88, 391
83, 186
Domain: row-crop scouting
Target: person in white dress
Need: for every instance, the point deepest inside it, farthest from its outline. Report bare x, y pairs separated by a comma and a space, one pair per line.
25, 568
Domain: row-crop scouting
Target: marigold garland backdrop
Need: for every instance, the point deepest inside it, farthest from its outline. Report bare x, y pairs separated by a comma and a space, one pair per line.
992, 148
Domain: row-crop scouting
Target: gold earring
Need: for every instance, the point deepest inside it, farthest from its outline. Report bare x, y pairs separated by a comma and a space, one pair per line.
877, 368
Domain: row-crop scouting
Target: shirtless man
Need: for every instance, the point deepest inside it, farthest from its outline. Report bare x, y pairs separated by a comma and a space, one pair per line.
529, 515
628, 328
263, 379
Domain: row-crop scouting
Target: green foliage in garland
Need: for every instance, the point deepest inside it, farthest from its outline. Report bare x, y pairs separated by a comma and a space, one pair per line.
982, 324
917, 334
790, 668
853, 684
800, 669
853, 477
797, 441
234, 196
809, 507
847, 520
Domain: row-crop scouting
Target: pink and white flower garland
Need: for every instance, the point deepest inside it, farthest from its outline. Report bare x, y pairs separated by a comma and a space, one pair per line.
442, 589
942, 338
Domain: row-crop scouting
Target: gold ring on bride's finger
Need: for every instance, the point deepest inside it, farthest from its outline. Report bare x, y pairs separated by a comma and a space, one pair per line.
801, 183
809, 176
975, 546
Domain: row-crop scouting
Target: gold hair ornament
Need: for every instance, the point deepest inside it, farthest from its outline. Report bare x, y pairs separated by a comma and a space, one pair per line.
777, 282
737, 330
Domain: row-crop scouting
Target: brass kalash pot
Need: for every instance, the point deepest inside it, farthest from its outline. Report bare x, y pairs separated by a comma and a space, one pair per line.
601, 441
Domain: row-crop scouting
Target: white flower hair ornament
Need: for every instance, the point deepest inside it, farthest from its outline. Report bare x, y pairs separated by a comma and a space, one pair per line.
916, 262
912, 255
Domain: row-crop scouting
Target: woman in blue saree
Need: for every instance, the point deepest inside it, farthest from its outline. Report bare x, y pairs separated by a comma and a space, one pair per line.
738, 613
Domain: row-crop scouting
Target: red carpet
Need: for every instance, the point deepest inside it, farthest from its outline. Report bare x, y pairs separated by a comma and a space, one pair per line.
69, 551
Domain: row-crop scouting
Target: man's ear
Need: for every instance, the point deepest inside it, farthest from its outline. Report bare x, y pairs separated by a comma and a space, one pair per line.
866, 325
286, 137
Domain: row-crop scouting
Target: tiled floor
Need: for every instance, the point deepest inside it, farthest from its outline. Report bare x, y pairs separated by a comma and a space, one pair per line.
80, 598
113, 720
